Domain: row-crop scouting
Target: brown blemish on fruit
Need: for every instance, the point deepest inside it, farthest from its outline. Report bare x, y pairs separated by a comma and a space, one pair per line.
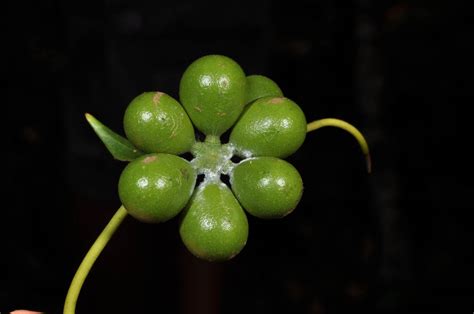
149, 159
224, 83
156, 97
198, 108
185, 173
275, 101
221, 114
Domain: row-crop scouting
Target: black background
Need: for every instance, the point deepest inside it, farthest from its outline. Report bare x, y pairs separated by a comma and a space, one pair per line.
397, 241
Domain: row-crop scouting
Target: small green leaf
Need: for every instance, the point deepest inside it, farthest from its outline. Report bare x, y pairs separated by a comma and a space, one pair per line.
117, 145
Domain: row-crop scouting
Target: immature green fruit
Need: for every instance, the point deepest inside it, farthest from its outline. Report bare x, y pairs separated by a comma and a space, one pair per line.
267, 187
213, 90
259, 86
155, 187
156, 123
270, 126
214, 227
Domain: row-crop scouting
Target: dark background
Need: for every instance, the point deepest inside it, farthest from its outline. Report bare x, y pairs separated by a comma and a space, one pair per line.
397, 241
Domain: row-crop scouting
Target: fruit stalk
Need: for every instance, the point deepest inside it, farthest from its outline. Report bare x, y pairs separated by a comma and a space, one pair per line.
347, 127
90, 258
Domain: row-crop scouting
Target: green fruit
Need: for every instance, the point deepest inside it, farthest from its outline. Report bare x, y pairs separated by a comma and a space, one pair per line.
156, 123
213, 90
270, 126
155, 187
267, 187
214, 226
259, 86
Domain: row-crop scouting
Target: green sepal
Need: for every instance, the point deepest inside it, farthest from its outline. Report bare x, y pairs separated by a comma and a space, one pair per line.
118, 146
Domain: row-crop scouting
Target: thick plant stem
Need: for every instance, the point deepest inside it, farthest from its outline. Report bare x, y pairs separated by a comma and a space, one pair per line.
90, 258
347, 127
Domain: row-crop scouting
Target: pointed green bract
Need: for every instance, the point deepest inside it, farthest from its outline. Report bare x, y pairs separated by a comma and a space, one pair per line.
267, 187
118, 146
259, 86
156, 123
213, 91
214, 227
270, 126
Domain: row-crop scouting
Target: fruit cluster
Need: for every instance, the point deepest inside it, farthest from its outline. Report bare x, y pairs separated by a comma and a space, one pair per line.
216, 96
157, 184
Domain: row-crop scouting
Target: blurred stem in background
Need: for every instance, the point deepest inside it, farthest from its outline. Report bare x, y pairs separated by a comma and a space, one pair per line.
393, 253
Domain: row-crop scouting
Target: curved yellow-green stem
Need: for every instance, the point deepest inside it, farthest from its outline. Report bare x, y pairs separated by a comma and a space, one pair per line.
347, 127
90, 258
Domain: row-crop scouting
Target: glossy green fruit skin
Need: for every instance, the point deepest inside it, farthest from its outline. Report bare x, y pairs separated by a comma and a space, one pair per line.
156, 187
156, 123
270, 126
214, 226
213, 91
267, 187
259, 86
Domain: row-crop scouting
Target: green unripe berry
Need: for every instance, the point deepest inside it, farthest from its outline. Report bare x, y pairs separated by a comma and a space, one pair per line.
156, 187
267, 187
213, 91
270, 126
259, 86
214, 227
156, 123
